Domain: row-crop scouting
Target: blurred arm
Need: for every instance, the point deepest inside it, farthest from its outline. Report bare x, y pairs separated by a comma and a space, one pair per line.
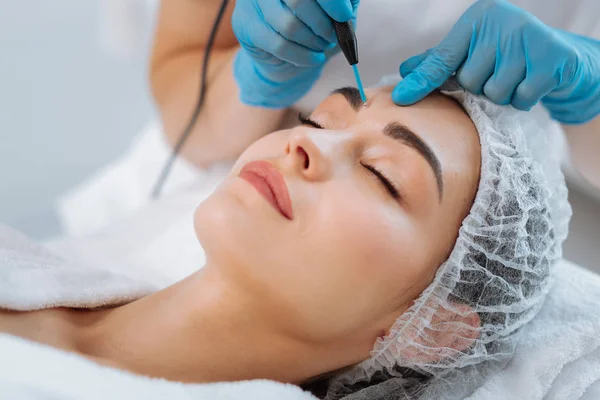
584, 143
225, 126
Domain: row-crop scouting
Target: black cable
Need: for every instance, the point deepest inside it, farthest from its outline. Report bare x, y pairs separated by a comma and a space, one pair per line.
186, 132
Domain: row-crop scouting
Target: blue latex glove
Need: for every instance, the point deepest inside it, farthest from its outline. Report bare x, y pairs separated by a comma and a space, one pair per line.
501, 51
284, 46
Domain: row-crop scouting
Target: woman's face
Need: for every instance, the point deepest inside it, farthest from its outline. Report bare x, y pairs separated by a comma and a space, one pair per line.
375, 197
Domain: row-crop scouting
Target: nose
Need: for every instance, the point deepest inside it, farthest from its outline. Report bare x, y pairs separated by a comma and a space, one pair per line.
310, 155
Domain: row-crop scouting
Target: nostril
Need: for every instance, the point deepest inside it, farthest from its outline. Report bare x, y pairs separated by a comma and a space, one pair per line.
302, 153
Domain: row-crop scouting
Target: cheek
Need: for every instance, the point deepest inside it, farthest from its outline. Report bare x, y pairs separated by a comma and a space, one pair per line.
357, 244
364, 230
359, 256
376, 252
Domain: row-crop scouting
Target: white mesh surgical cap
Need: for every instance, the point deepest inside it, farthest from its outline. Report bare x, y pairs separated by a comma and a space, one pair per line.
500, 266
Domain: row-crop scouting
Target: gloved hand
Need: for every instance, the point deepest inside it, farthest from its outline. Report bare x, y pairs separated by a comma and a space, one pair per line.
284, 46
503, 52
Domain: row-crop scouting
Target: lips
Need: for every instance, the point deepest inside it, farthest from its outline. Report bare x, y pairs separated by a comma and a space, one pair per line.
269, 182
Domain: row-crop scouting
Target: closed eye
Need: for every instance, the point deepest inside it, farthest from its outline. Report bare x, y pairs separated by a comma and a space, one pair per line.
389, 186
307, 121
392, 190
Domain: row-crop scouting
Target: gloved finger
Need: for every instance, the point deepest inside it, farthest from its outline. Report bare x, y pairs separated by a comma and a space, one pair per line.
509, 72
526, 96
564, 89
478, 68
532, 89
439, 65
339, 10
412, 63
282, 20
278, 72
314, 17
284, 50
542, 74
430, 74
501, 86
554, 59
575, 111
567, 116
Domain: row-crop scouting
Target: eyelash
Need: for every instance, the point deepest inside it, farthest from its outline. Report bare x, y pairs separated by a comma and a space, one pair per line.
307, 121
389, 186
376, 172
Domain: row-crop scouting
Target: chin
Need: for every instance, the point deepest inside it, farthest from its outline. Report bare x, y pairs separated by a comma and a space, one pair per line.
224, 229
213, 221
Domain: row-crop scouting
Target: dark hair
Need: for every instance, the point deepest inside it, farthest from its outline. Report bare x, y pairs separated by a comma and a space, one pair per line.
319, 387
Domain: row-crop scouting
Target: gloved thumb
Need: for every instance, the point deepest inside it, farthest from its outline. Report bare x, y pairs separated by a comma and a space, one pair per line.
427, 71
412, 63
427, 76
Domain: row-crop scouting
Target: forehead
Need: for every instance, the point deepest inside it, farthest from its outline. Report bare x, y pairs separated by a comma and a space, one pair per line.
439, 120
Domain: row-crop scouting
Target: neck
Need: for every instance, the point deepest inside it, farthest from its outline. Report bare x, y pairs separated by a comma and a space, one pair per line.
199, 330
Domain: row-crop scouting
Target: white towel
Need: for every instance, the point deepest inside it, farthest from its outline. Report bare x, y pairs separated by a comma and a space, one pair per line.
558, 357
33, 278
31, 371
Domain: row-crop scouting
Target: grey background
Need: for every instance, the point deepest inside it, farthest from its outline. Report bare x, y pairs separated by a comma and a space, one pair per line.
68, 106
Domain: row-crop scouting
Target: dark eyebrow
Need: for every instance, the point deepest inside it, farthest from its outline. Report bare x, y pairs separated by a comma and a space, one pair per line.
399, 132
405, 135
352, 95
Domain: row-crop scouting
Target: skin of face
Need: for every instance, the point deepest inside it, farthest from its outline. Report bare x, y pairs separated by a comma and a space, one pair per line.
353, 257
